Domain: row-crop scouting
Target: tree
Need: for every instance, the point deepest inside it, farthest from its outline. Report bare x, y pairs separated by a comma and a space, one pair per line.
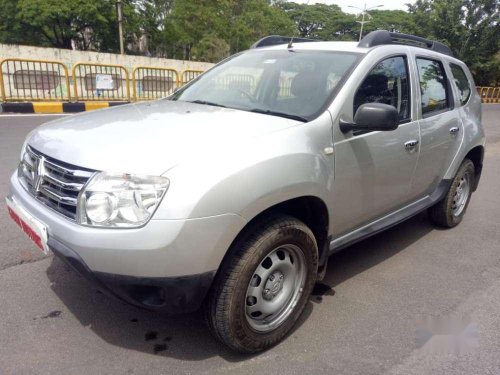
88, 24
211, 48
189, 22
470, 27
392, 20
251, 20
212, 29
312, 20
153, 19
191, 27
61, 22
11, 30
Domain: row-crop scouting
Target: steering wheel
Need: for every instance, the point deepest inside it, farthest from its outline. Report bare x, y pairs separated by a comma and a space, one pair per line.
247, 94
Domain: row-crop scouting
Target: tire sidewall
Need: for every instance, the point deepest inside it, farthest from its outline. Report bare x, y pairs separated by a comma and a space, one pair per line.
466, 168
304, 240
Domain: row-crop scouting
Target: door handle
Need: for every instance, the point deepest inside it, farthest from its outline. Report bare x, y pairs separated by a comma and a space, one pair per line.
454, 130
410, 145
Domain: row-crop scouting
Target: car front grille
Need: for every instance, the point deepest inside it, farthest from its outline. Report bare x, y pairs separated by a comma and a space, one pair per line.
54, 183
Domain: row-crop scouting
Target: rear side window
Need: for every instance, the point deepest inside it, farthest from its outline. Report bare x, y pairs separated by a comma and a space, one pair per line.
387, 83
433, 86
462, 83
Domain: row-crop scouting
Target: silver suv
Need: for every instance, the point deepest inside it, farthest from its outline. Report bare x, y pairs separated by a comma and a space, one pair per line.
231, 194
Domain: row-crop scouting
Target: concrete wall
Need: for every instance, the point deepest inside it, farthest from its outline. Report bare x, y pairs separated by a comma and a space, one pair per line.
70, 57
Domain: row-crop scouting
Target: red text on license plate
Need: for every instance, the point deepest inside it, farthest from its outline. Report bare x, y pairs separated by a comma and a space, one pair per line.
26, 228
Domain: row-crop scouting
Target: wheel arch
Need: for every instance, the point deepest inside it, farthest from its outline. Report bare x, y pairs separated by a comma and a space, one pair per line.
311, 210
476, 155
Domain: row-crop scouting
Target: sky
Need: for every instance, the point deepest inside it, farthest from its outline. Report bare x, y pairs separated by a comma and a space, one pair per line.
388, 4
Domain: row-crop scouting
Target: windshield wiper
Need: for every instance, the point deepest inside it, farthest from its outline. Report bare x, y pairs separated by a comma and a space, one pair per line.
207, 103
280, 114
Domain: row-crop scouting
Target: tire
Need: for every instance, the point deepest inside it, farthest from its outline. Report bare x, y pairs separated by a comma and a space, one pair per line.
289, 249
450, 211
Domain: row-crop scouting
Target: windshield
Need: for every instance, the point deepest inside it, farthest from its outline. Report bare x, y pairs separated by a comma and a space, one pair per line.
294, 84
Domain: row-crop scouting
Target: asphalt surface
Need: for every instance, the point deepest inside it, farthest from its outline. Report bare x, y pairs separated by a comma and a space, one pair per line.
366, 318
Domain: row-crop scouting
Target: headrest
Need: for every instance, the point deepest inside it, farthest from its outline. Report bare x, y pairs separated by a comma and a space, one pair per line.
376, 82
306, 83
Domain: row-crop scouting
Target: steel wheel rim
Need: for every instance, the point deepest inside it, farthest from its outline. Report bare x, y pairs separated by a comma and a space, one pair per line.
275, 288
461, 195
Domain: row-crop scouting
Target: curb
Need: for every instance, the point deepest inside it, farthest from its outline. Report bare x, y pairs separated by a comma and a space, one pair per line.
55, 107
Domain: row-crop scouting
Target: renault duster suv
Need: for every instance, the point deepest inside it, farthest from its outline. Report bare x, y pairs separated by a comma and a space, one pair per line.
231, 193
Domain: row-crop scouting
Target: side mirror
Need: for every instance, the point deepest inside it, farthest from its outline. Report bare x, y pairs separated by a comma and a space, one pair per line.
371, 117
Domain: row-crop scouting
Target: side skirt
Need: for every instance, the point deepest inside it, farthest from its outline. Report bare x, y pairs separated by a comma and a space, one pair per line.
391, 219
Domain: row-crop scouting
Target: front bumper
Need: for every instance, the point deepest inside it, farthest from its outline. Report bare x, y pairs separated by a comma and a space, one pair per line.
172, 295
165, 265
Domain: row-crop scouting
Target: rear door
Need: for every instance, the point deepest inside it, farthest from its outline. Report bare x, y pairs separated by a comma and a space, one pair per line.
441, 129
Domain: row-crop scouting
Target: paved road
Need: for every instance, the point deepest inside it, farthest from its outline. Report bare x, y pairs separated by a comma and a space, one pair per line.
362, 321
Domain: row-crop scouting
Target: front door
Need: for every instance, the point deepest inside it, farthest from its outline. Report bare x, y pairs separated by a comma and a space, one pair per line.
373, 171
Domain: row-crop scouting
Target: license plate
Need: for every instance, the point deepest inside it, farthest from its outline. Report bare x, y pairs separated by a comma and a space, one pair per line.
33, 228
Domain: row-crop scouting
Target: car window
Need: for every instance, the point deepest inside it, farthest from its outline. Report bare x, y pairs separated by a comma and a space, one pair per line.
433, 87
238, 80
287, 77
462, 83
279, 82
387, 83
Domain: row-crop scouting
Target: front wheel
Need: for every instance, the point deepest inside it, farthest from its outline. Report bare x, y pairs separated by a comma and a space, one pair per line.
450, 211
264, 285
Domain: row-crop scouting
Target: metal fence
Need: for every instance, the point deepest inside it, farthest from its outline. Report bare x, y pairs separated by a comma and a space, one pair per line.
37, 80
33, 80
153, 83
489, 94
43, 80
190, 74
100, 82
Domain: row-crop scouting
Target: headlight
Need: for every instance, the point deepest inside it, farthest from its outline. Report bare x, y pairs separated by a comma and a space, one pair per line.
120, 200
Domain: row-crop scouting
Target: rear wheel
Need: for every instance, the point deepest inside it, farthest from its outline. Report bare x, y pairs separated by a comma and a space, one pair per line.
264, 285
450, 211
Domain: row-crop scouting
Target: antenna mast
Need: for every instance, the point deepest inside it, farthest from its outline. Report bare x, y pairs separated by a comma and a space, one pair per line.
290, 44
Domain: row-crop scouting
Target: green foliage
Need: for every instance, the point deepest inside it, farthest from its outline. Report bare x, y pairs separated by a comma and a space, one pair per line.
211, 48
392, 20
11, 30
470, 27
328, 22
88, 24
60, 22
210, 30
251, 20
312, 20
238, 22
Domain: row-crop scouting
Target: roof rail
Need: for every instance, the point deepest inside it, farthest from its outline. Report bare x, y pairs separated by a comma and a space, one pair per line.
274, 40
381, 37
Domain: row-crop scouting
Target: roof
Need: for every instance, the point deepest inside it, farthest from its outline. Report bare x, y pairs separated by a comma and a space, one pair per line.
320, 45
370, 41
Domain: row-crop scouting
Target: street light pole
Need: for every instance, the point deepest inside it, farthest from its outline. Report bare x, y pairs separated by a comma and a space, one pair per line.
363, 13
362, 24
120, 25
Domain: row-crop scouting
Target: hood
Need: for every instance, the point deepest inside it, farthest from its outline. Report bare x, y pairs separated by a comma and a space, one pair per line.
149, 138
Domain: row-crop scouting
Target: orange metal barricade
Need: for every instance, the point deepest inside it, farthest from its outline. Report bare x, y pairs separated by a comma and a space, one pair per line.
100, 82
190, 74
150, 83
489, 94
33, 80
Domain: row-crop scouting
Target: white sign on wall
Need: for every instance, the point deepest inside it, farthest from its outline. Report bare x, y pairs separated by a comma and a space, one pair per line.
104, 82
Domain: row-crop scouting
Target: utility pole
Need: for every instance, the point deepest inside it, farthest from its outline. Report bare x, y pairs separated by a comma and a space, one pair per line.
120, 24
363, 12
